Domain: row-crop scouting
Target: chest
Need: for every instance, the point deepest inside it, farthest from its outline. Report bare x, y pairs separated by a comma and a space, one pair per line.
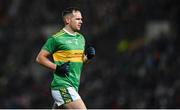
70, 43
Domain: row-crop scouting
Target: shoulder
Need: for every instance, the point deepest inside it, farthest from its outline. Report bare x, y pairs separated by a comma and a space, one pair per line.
58, 34
79, 34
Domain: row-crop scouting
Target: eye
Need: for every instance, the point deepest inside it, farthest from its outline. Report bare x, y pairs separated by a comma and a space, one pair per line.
78, 18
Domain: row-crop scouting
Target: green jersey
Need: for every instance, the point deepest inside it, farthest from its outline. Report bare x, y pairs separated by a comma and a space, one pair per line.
65, 47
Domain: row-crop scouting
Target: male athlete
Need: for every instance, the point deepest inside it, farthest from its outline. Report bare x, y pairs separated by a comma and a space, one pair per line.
67, 47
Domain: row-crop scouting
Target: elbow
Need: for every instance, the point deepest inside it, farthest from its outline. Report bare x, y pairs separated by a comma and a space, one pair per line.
37, 59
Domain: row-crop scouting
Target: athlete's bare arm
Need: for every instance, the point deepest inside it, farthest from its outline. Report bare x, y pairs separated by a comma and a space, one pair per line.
43, 59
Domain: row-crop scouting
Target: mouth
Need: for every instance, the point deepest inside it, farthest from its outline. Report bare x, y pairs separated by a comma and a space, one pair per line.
79, 26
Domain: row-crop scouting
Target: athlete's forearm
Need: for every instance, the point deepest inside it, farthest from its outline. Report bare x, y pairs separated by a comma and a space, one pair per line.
46, 63
85, 58
43, 59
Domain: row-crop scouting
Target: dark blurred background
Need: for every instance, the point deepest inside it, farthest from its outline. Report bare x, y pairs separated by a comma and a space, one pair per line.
137, 45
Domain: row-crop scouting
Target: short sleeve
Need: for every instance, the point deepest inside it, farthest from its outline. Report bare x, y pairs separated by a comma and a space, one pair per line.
49, 45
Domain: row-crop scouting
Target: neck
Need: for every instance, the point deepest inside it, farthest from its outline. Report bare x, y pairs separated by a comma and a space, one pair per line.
69, 30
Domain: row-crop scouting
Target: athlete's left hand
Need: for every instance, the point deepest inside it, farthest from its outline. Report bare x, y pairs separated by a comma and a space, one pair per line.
90, 52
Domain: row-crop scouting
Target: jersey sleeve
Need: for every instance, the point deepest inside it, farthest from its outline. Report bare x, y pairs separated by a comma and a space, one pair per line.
50, 45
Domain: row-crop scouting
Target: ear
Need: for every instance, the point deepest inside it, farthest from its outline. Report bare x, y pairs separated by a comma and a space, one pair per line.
67, 20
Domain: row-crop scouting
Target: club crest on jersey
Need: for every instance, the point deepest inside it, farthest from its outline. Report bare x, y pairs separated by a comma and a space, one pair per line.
75, 41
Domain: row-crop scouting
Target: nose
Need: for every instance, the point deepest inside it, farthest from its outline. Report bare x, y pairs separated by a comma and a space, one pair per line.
81, 21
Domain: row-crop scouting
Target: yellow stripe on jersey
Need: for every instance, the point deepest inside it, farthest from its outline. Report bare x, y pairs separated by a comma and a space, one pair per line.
69, 55
59, 33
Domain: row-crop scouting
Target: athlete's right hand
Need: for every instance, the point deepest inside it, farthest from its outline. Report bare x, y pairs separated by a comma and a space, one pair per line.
63, 69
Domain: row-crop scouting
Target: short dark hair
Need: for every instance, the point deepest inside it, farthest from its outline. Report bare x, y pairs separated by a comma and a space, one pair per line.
69, 11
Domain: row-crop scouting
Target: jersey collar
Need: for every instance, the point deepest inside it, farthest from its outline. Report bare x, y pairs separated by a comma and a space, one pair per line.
69, 32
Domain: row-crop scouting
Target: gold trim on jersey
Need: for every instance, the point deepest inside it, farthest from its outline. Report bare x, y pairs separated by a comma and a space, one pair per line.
60, 33
69, 55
